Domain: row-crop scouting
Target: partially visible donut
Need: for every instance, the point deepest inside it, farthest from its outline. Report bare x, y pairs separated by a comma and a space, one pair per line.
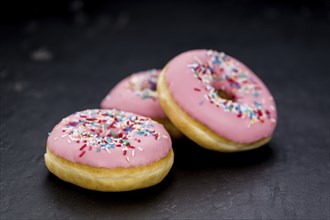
109, 150
217, 101
137, 93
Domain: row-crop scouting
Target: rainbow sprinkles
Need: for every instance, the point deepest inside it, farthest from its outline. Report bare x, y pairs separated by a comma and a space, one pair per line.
107, 129
144, 84
220, 69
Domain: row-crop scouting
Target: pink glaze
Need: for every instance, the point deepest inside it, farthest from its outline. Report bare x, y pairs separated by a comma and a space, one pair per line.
136, 93
109, 139
193, 78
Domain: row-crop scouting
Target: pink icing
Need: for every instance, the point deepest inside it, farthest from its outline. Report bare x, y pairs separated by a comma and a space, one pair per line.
136, 93
193, 78
109, 139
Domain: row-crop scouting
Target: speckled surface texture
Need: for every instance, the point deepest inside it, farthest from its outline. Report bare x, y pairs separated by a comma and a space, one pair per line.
58, 60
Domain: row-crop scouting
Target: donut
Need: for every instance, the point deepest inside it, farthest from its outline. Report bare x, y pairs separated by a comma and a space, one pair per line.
137, 93
109, 150
217, 101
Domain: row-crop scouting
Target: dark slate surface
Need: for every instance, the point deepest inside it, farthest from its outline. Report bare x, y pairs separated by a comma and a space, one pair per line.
59, 58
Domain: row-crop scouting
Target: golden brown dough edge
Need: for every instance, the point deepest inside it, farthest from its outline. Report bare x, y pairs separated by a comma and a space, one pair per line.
109, 180
193, 129
170, 127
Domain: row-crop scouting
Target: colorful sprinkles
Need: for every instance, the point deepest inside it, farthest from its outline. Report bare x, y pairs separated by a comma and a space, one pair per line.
222, 70
144, 84
107, 129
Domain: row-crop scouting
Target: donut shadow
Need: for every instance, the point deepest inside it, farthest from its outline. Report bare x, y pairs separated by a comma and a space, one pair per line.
189, 155
67, 190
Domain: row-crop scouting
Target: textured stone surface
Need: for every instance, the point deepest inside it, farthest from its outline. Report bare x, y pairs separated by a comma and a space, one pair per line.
57, 60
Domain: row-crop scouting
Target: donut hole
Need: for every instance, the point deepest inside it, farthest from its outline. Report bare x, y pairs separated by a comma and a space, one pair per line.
149, 84
222, 90
225, 95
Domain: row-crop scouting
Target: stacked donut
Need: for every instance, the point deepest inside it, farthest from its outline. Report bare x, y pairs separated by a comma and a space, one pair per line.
210, 97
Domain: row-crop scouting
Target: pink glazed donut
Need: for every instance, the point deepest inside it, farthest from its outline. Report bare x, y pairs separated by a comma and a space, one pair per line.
109, 150
217, 101
137, 93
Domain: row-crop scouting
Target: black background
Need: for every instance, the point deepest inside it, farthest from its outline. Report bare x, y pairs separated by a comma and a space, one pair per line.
57, 58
